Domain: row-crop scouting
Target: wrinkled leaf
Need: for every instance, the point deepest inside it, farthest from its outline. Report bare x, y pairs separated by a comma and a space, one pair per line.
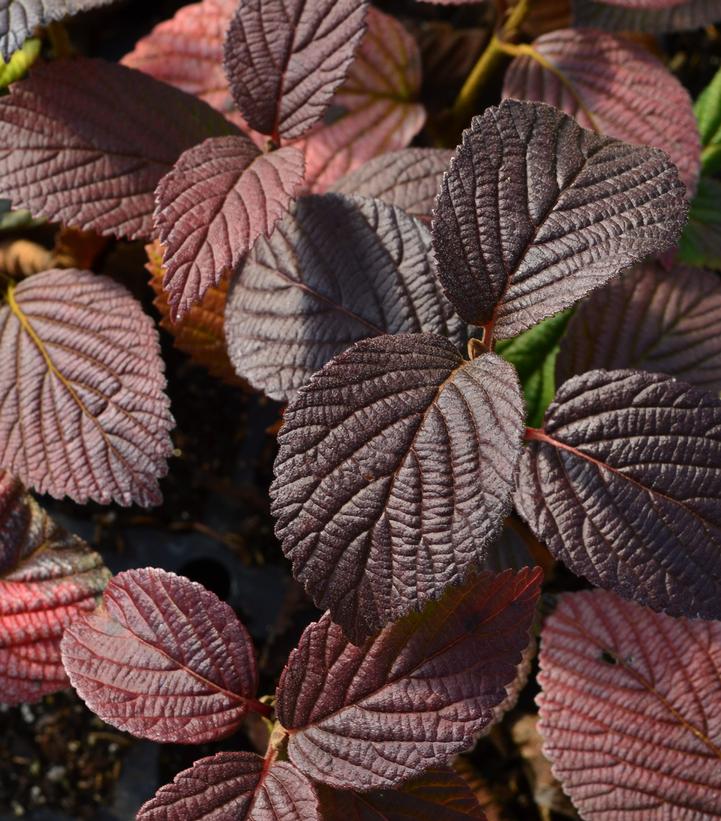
684, 16
412, 696
624, 487
700, 243
334, 271
162, 658
627, 709
708, 113
394, 474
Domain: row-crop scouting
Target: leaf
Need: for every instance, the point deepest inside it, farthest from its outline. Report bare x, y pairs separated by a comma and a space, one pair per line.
334, 271
652, 320
47, 578
412, 696
394, 473
83, 411
536, 211
614, 86
627, 709
234, 785
285, 58
624, 485
685, 16
79, 146
210, 208
437, 793
162, 658
533, 353
708, 114
17, 66
700, 243
409, 178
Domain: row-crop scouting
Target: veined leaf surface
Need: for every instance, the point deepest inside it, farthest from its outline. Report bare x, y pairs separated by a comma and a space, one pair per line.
685, 16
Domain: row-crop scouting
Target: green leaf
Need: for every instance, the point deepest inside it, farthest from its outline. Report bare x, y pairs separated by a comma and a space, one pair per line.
700, 243
534, 355
708, 114
19, 63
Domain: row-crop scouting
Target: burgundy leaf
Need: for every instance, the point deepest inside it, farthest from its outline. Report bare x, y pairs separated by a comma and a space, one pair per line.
628, 711
394, 473
47, 578
614, 86
630, 16
413, 695
285, 58
234, 786
334, 271
80, 147
536, 211
624, 487
219, 197
162, 658
651, 319
83, 412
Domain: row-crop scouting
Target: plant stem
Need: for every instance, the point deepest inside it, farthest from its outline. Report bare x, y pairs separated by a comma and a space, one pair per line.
259, 707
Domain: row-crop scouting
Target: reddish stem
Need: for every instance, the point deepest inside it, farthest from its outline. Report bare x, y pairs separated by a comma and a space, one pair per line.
259, 707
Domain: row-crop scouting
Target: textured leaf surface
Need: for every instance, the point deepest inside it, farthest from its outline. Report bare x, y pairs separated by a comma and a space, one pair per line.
682, 17
700, 243
627, 709
708, 113
79, 147
394, 473
611, 85
536, 211
412, 696
624, 488
285, 58
652, 320
219, 197
83, 412
47, 578
334, 271
234, 785
162, 658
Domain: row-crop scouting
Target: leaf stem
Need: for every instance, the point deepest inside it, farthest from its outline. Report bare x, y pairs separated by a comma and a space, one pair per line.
259, 707
60, 40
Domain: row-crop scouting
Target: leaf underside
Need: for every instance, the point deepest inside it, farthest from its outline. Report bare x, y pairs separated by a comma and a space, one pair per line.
681, 17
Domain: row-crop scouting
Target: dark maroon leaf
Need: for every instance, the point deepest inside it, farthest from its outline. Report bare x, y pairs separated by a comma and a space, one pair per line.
219, 197
47, 578
162, 658
285, 58
394, 474
334, 271
651, 319
85, 142
412, 696
235, 786
624, 487
536, 211
683, 16
628, 712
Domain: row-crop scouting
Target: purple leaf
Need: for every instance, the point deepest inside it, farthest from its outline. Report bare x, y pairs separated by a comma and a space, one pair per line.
219, 197
162, 658
84, 413
285, 58
412, 696
79, 146
628, 712
334, 271
394, 473
624, 486
535, 212
683, 16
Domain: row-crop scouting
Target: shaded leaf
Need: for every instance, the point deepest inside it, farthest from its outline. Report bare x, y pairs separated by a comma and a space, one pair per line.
234, 785
84, 413
536, 211
700, 243
412, 696
614, 86
627, 713
394, 473
47, 578
681, 17
210, 208
79, 146
334, 271
708, 113
624, 487
162, 658
652, 320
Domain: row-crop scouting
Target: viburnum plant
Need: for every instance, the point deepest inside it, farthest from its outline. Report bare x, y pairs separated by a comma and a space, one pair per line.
415, 310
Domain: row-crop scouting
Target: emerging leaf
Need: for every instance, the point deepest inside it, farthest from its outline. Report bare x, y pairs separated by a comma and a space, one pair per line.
394, 473
536, 211
708, 113
412, 696
622, 16
197, 660
17, 66
627, 709
624, 486
700, 243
